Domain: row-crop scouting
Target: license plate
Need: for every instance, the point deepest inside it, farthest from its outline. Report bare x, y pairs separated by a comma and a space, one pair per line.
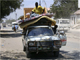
44, 47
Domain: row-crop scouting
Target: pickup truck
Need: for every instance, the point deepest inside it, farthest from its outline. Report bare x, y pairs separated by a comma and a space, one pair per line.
42, 39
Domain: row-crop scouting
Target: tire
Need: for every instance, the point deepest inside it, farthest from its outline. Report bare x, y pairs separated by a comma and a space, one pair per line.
24, 48
27, 54
56, 53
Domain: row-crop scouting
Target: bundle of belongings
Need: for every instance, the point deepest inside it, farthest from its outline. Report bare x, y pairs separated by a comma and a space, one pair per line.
36, 19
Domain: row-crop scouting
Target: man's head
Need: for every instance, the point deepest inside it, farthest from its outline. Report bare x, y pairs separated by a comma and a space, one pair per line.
36, 4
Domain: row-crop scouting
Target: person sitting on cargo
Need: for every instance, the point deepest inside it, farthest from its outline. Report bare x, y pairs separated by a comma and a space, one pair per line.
27, 15
37, 9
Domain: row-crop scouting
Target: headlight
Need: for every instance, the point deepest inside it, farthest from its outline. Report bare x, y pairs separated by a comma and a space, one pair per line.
57, 43
32, 43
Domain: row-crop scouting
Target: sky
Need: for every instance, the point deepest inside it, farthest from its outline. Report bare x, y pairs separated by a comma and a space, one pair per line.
28, 4
78, 3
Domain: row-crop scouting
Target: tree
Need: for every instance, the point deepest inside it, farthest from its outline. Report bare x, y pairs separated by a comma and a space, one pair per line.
64, 8
1, 21
20, 17
9, 21
9, 6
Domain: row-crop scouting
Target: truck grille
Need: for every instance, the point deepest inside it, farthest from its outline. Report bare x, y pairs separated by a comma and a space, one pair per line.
47, 43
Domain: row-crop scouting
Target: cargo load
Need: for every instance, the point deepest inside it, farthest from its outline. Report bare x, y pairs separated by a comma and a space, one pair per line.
43, 19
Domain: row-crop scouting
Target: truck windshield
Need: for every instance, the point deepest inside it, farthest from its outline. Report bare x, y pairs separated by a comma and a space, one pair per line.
40, 31
64, 22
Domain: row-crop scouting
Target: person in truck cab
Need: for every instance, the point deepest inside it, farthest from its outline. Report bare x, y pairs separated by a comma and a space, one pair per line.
38, 9
55, 29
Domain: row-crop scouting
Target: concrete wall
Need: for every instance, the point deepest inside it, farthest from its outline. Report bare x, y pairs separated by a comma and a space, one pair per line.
74, 19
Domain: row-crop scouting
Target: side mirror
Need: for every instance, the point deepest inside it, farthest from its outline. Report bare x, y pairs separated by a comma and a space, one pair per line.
62, 32
56, 26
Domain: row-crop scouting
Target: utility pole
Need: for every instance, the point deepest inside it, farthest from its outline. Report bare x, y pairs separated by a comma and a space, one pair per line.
45, 3
16, 16
40, 2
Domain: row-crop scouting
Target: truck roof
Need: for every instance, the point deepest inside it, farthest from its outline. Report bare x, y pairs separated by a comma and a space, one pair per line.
38, 26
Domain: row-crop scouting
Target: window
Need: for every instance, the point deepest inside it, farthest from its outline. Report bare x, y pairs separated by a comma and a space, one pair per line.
40, 31
64, 22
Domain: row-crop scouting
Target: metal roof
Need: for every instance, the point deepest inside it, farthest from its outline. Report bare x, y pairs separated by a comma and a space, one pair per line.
39, 26
77, 12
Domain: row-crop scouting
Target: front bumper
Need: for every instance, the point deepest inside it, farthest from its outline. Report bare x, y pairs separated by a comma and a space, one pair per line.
44, 47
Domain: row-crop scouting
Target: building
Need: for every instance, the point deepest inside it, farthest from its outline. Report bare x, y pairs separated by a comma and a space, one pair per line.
75, 18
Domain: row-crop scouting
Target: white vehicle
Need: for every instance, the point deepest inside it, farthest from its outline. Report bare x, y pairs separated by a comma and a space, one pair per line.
15, 26
4, 24
0, 26
63, 24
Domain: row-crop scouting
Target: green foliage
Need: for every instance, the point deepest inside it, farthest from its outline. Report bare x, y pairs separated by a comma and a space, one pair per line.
9, 6
20, 17
1, 21
63, 8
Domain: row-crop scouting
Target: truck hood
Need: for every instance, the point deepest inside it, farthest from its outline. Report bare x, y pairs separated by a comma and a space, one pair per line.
43, 38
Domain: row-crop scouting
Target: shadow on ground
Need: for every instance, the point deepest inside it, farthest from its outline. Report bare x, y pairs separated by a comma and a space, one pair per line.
10, 33
6, 31
40, 56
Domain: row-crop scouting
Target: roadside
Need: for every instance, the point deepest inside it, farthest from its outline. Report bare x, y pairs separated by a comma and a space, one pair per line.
76, 30
75, 27
74, 34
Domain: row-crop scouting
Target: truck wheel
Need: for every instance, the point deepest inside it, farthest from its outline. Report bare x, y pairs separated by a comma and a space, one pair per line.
24, 48
56, 53
27, 54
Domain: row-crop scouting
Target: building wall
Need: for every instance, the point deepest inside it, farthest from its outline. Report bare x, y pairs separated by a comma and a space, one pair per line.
74, 19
